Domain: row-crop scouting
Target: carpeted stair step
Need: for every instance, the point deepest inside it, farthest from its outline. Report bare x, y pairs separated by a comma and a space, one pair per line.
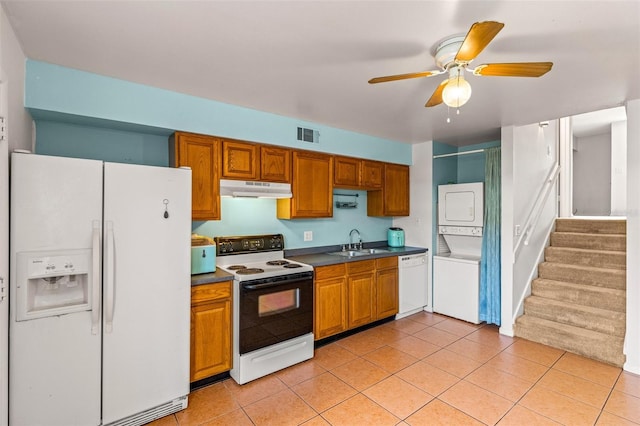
597, 297
601, 277
591, 344
604, 226
601, 320
611, 242
576, 256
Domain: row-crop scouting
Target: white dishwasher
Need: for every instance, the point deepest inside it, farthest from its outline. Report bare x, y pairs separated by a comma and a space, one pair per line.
413, 280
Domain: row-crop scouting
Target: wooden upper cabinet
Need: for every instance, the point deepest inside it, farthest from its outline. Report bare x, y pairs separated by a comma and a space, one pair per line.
240, 160
311, 185
371, 174
275, 164
346, 172
393, 198
355, 173
202, 155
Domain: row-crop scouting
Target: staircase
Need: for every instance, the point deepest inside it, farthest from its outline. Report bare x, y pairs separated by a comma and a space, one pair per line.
578, 301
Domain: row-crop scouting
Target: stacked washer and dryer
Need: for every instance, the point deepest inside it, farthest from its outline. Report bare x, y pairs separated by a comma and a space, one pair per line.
456, 265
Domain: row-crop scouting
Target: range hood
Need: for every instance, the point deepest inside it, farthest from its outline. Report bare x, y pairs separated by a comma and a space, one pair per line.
254, 189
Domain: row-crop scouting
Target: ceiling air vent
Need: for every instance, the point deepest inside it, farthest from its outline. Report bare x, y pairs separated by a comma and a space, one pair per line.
308, 135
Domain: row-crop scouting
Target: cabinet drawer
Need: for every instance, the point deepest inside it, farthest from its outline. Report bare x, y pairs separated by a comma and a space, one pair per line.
209, 292
387, 262
331, 271
361, 266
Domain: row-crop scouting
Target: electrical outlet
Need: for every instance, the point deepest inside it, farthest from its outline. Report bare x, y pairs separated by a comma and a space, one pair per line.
308, 235
518, 232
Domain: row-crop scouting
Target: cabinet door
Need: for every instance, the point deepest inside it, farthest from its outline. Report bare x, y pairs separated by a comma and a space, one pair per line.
239, 160
361, 292
210, 339
202, 154
393, 199
312, 187
275, 164
372, 172
330, 307
386, 293
346, 172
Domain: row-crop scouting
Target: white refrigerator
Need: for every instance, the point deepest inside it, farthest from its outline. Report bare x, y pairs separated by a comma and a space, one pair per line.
100, 291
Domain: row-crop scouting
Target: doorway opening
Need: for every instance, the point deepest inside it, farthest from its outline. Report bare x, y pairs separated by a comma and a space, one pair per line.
594, 164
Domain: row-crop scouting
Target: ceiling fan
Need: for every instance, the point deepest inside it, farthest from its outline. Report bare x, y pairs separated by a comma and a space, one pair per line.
455, 53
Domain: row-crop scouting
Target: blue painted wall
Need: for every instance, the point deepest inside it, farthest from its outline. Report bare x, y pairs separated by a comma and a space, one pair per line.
114, 145
84, 115
258, 216
56, 93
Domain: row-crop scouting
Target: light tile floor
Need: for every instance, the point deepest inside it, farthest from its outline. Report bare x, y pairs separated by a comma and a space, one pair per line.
426, 369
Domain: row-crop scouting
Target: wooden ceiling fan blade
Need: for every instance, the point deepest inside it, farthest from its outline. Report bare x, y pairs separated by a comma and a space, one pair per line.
403, 76
479, 36
517, 69
436, 98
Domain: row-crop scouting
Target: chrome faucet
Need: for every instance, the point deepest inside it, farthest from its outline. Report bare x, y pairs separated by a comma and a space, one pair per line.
358, 245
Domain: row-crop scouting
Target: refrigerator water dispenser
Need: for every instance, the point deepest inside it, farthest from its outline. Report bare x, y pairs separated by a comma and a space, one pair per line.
52, 283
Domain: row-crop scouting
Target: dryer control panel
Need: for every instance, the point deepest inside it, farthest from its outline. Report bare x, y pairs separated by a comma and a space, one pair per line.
471, 231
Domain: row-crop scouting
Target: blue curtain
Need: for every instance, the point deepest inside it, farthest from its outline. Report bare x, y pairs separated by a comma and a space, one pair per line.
490, 260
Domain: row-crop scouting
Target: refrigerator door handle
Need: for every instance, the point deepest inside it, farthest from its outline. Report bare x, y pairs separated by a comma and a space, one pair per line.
95, 279
110, 279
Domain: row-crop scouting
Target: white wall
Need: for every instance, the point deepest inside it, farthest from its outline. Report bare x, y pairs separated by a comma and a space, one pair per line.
418, 226
618, 168
632, 339
592, 175
18, 135
507, 240
12, 63
529, 153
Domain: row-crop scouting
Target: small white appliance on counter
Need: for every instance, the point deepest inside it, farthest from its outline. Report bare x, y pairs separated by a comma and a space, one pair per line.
272, 305
100, 295
456, 266
413, 281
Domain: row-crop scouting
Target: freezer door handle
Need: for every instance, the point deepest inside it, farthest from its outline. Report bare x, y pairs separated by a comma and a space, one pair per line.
110, 279
95, 279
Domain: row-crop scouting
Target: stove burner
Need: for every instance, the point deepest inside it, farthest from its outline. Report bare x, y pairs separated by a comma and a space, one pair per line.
292, 265
249, 271
236, 267
277, 263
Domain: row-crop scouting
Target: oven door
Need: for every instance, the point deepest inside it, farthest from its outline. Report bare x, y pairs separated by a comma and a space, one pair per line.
274, 310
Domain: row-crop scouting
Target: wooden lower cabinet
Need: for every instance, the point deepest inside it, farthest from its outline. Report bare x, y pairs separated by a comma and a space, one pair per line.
361, 290
211, 322
350, 295
330, 301
387, 298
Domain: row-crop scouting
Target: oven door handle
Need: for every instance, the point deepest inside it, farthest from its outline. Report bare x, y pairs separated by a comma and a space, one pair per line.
273, 284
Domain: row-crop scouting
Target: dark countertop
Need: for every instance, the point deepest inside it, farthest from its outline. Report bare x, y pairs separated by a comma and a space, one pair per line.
319, 256
212, 277
316, 256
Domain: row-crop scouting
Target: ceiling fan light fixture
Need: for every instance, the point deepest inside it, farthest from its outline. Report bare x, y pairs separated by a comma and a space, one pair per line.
458, 90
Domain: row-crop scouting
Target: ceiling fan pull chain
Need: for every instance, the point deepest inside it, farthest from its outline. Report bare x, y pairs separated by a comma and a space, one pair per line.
448, 118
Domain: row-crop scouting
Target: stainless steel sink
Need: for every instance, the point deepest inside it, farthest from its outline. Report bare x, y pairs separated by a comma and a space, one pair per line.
361, 252
349, 253
373, 251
